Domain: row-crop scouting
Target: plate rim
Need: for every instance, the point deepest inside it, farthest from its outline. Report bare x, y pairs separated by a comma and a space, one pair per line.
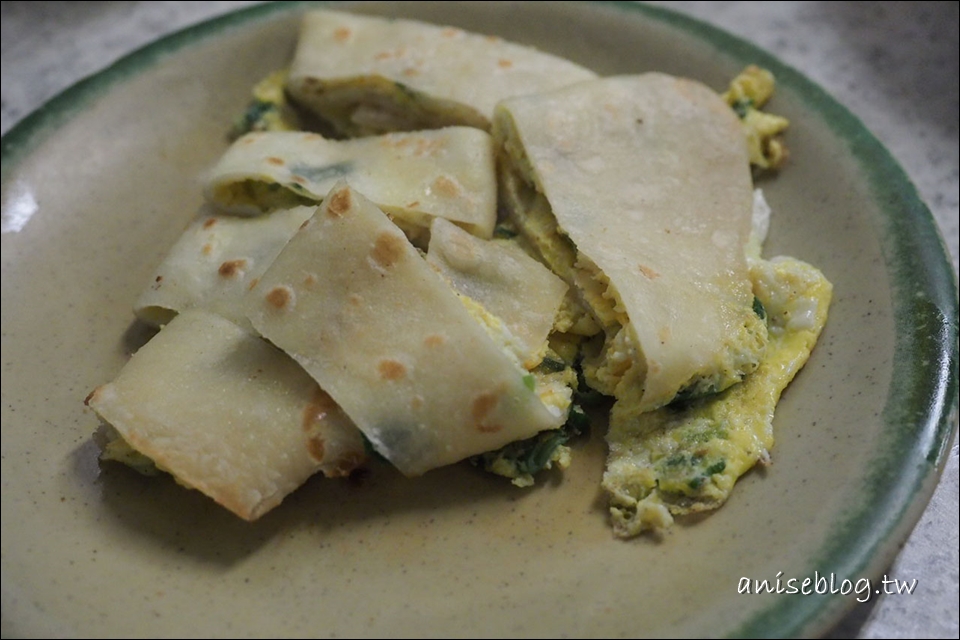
923, 295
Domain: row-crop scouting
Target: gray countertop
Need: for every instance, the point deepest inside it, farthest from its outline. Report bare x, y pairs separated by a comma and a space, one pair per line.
894, 64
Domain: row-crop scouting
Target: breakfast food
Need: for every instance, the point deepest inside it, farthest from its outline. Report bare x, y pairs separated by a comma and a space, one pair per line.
427, 391
663, 271
368, 74
624, 263
226, 413
414, 177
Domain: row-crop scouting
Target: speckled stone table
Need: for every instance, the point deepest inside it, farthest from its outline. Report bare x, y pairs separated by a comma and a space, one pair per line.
894, 64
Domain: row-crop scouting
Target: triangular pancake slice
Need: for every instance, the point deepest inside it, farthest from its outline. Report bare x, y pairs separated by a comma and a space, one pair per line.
228, 414
357, 306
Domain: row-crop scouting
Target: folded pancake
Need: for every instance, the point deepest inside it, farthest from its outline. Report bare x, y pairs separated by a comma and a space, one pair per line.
356, 305
686, 458
510, 285
369, 75
214, 262
414, 177
637, 191
228, 414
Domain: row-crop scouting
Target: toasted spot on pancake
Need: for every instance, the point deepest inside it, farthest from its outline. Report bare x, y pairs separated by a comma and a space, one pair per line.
503, 63
446, 187
90, 396
209, 223
664, 334
276, 161
206, 249
346, 465
483, 404
340, 203
434, 340
232, 268
391, 369
281, 297
387, 250
316, 448
648, 272
341, 34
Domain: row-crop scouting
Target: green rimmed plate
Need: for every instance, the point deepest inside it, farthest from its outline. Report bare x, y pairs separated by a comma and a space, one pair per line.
112, 168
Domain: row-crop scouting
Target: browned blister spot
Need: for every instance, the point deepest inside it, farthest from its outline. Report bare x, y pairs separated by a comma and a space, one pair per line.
346, 465
315, 447
310, 280
317, 409
158, 279
232, 268
483, 404
503, 63
355, 299
341, 34
446, 187
206, 249
209, 222
411, 205
489, 428
299, 179
276, 161
252, 284
434, 340
449, 32
383, 55
391, 369
339, 203
387, 249
647, 271
280, 297
91, 396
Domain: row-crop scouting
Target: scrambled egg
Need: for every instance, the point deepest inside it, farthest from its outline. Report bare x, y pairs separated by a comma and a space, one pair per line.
748, 92
269, 109
687, 456
553, 378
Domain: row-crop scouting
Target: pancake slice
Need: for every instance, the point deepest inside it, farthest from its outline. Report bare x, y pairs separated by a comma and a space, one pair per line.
368, 75
637, 190
414, 177
227, 414
357, 306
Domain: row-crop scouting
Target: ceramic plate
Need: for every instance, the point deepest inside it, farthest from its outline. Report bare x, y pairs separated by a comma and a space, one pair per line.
100, 182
